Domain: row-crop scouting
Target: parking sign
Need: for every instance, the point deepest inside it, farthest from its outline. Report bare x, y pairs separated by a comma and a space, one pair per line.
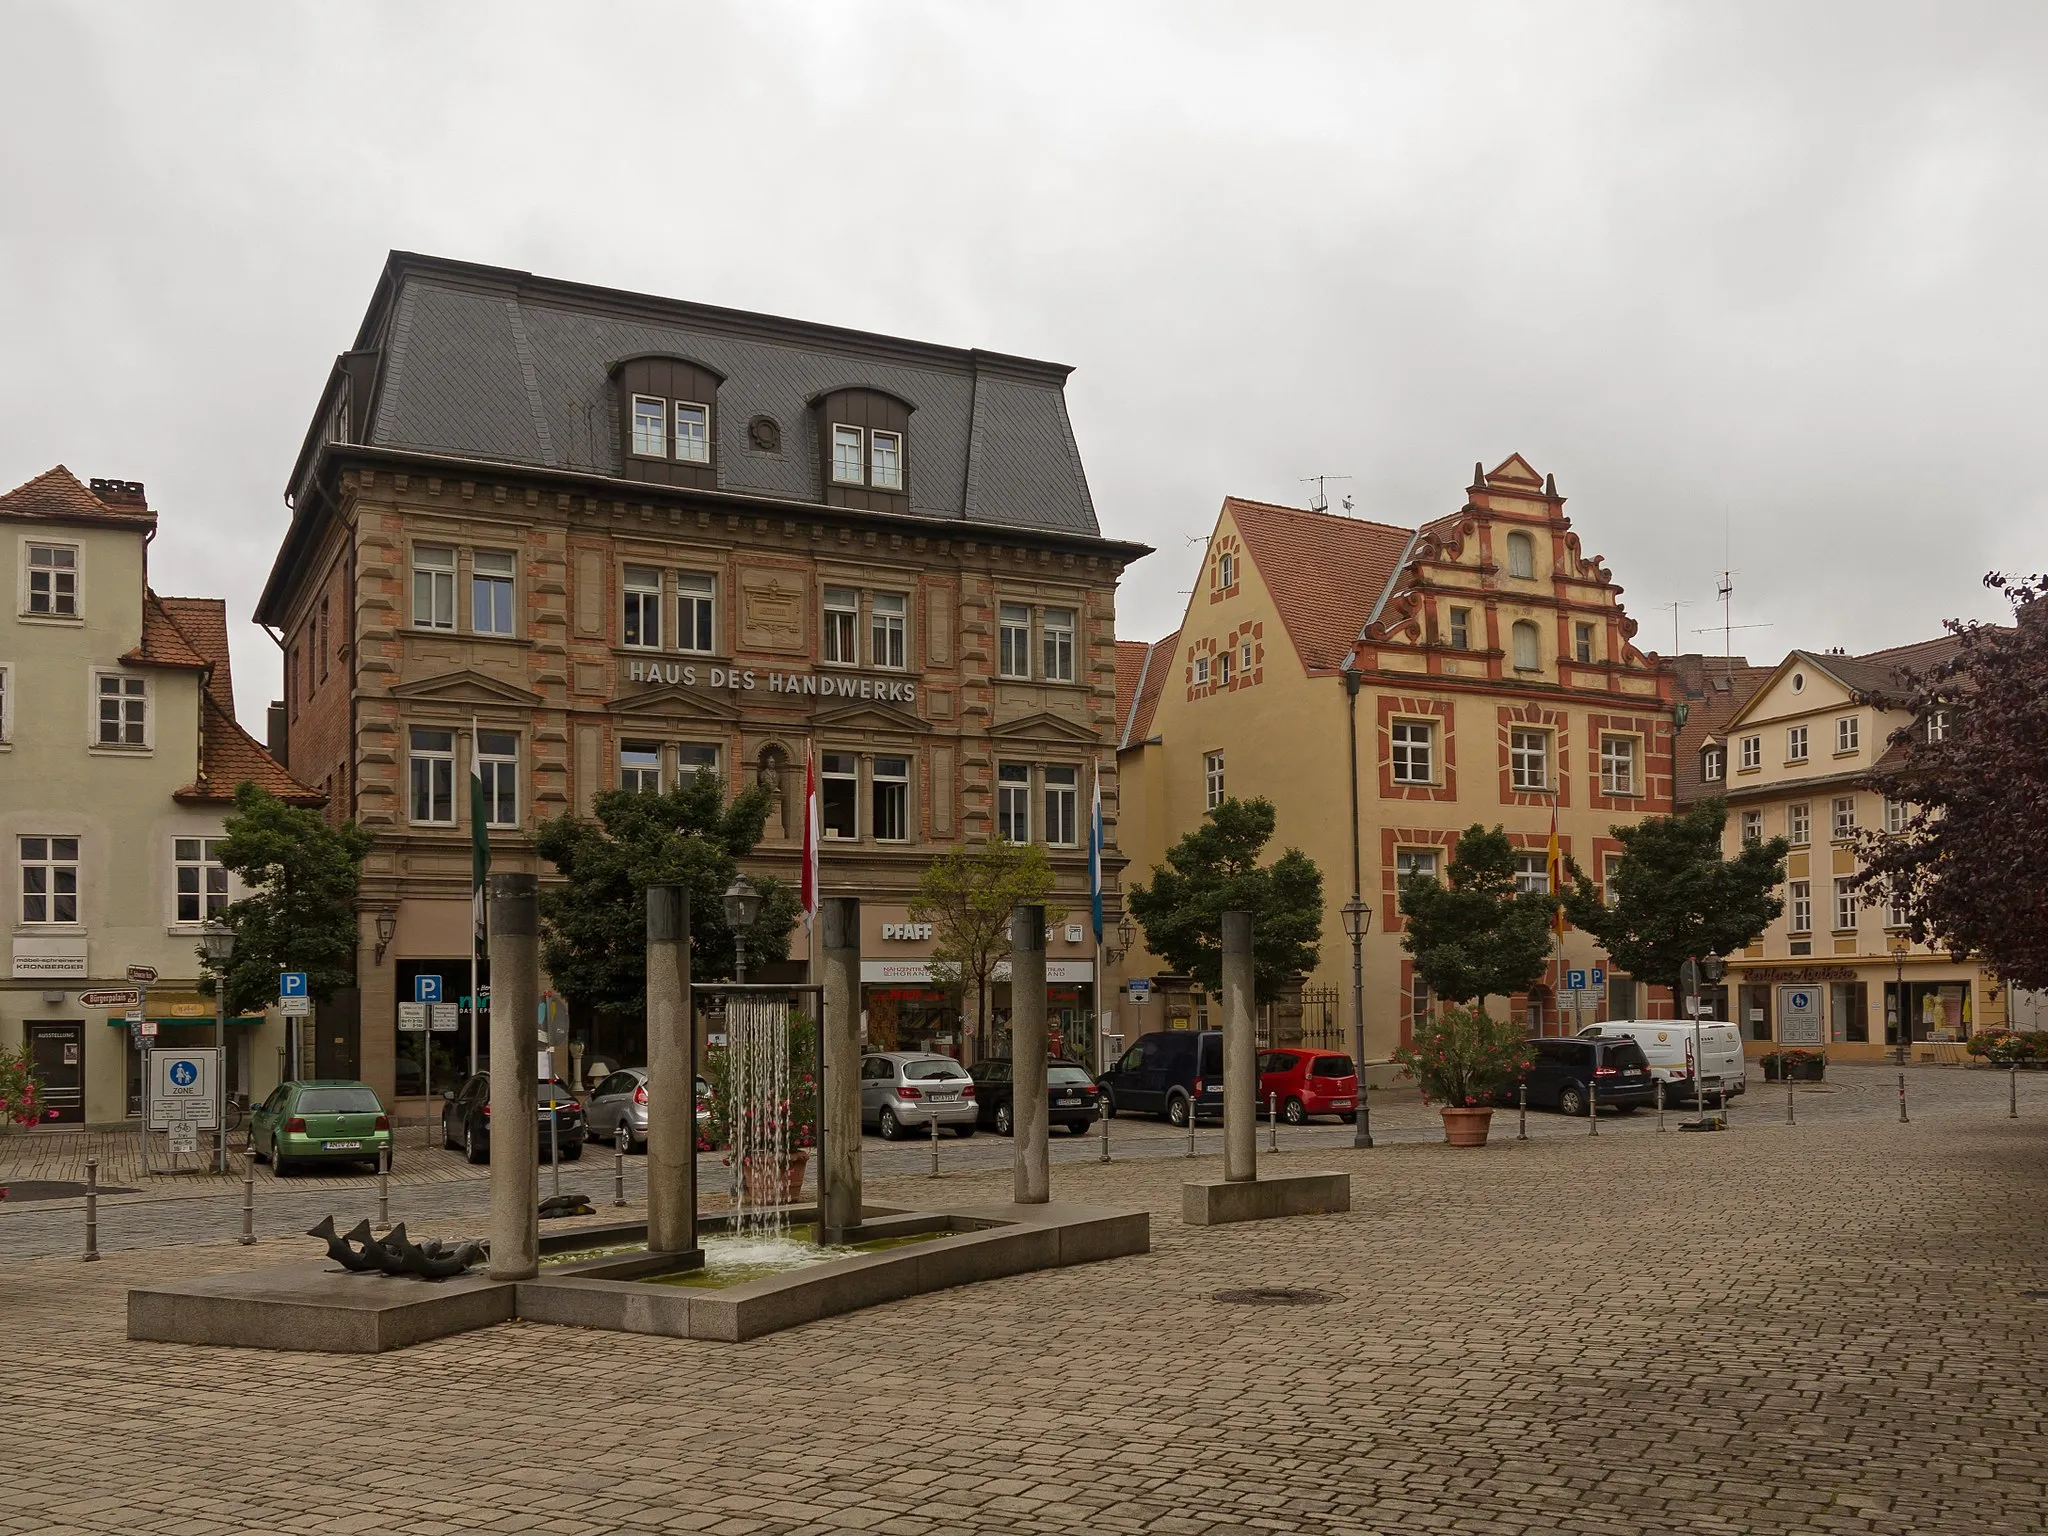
426, 989
1575, 981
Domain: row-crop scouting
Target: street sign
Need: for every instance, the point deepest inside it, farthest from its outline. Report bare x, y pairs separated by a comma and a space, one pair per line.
1799, 1016
1575, 981
141, 975
412, 1017
133, 1015
181, 1088
1140, 990
184, 1136
295, 1007
291, 984
426, 989
1599, 977
111, 997
148, 1028
446, 1017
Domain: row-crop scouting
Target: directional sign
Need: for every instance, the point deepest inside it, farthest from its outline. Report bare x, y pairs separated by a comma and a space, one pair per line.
1140, 989
296, 1007
446, 1017
111, 997
412, 1017
426, 989
142, 975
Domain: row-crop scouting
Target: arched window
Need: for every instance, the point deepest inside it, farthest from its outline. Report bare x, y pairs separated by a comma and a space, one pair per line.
1526, 657
1521, 557
1226, 570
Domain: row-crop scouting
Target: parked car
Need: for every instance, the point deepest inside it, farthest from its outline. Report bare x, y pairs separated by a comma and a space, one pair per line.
1170, 1072
466, 1119
1307, 1082
620, 1099
323, 1120
1565, 1073
909, 1090
1071, 1096
1668, 1043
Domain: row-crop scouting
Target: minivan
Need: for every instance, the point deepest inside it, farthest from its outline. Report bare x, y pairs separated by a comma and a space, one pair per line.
1572, 1075
1170, 1072
1669, 1045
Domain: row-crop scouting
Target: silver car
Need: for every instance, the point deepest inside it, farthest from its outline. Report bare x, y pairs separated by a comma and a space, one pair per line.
902, 1091
620, 1103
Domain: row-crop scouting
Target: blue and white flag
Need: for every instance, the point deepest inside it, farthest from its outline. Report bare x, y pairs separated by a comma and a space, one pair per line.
1095, 855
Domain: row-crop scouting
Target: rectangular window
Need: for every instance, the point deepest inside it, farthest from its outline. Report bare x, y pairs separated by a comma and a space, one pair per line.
1845, 816
1013, 803
1410, 862
323, 639
1798, 825
1532, 873
1610, 870
1245, 658
497, 762
643, 607
891, 798
1062, 806
433, 587
640, 767
1848, 1011
1223, 669
6, 704
1529, 759
490, 592
846, 446
650, 431
1059, 645
1582, 642
431, 775
839, 796
124, 710
1618, 765
1795, 744
1414, 754
1714, 765
1212, 777
1461, 629
202, 884
1420, 1001
1752, 752
693, 433
1201, 669
1845, 907
696, 599
1801, 906
1848, 734
49, 879
885, 461
842, 624
53, 580
1895, 915
1752, 828
1013, 640
1937, 725
1895, 816
887, 618
693, 758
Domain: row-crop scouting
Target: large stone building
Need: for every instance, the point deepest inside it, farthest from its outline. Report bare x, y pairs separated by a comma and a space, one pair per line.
119, 755
586, 539
1481, 667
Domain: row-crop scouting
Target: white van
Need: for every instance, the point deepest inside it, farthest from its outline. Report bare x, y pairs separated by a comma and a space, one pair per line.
1669, 1045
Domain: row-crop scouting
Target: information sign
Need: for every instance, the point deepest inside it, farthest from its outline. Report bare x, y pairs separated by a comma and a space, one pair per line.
1140, 990
412, 1017
446, 1017
181, 1088
292, 995
1799, 1016
141, 975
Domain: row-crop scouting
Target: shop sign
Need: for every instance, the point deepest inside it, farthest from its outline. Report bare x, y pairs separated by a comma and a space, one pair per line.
1069, 972
814, 685
1805, 973
908, 933
50, 960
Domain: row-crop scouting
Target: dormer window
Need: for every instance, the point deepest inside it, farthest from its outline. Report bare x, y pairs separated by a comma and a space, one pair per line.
846, 455
1713, 764
1522, 556
650, 435
863, 448
668, 432
693, 433
885, 460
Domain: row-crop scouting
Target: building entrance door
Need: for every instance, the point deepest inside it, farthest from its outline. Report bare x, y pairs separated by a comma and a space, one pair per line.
337, 1035
58, 1051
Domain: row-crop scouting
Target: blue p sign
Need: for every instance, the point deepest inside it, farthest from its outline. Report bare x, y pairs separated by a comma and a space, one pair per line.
291, 984
426, 989
1575, 981
1599, 976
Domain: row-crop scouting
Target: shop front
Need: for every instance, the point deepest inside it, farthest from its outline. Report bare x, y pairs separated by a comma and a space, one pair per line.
904, 1009
1854, 1011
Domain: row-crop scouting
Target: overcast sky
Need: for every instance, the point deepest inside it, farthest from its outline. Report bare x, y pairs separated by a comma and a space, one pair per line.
1767, 275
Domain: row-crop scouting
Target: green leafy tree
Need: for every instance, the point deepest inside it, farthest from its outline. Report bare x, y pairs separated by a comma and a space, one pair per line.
967, 894
1475, 935
1215, 869
299, 914
1674, 896
594, 924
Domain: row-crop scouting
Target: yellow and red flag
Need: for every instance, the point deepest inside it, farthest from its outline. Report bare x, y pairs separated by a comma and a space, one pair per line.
1555, 867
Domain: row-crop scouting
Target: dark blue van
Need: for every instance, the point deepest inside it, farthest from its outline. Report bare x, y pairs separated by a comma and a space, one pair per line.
1169, 1072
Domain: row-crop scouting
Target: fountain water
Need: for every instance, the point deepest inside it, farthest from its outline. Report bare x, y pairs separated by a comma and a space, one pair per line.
762, 1114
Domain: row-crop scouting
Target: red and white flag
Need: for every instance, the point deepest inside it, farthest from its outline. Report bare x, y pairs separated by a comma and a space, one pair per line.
810, 880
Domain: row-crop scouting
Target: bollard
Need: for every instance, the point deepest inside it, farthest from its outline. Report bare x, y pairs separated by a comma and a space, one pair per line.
384, 1188
618, 1178
1191, 1127
1273, 1121
935, 1146
2012, 1108
1593, 1107
1105, 1128
1522, 1115
1902, 1098
92, 1209
248, 1205
1660, 1103
1791, 1118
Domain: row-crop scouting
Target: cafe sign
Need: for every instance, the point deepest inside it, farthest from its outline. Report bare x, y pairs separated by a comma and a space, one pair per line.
815, 685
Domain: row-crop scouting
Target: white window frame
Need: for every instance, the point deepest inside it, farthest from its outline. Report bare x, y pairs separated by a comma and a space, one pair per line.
207, 903
1937, 726
1013, 640
640, 770
1532, 873
1846, 906
849, 449
1610, 863
1410, 862
1752, 829
1896, 916
1848, 734
1795, 743
55, 613
1799, 907
433, 586
885, 469
494, 766
693, 432
133, 689
1582, 643
697, 612
1896, 815
1461, 629
1212, 778
839, 637
830, 774
1013, 802
6, 704
1223, 667
1201, 671
1226, 570
52, 864
438, 763
1752, 753
1524, 544
889, 630
693, 758
1525, 641
1799, 824
650, 427
1062, 805
1843, 817
1713, 765
1618, 758
640, 596
486, 584
1413, 751
1057, 632
1244, 660
1522, 755
889, 798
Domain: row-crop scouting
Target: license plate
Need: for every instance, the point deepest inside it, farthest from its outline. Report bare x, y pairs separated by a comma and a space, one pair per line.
1341, 1103
342, 1146
1070, 1101
944, 1098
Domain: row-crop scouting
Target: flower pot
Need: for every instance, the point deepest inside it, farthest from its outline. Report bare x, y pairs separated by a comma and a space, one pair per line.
1771, 1071
1466, 1127
1811, 1071
768, 1184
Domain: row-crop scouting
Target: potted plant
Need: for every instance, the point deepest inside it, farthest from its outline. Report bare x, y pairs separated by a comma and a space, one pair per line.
1805, 1066
1463, 1059
790, 1123
1773, 1063
21, 1098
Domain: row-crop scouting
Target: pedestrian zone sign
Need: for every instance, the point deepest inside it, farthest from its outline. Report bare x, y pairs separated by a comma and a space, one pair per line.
181, 1088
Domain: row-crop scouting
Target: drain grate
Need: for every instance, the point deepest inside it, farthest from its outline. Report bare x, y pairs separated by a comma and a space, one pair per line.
1273, 1296
2034, 1295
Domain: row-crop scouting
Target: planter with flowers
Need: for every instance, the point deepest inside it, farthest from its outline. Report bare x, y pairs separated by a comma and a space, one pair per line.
790, 1124
21, 1091
1805, 1066
1463, 1060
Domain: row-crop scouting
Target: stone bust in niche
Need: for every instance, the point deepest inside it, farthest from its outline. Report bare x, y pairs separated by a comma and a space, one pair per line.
764, 435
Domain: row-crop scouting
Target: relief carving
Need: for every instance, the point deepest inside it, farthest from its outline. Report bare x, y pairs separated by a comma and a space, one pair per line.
772, 613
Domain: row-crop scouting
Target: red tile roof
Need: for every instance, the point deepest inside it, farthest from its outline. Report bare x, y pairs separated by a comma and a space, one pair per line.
203, 621
1130, 668
57, 496
1715, 695
163, 644
1326, 573
231, 757
1158, 666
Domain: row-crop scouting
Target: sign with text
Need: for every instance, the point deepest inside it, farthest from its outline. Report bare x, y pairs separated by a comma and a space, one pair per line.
111, 997
445, 1018
181, 1088
1799, 1016
412, 1017
141, 975
1140, 990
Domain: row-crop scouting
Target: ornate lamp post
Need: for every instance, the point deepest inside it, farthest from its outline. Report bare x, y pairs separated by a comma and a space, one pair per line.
1693, 974
1902, 1030
1357, 922
218, 941
742, 905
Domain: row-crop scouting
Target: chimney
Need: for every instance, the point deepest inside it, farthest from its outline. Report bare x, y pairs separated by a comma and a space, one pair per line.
121, 493
275, 736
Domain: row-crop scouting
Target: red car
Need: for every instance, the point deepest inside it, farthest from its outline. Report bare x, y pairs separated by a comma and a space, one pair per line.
1307, 1082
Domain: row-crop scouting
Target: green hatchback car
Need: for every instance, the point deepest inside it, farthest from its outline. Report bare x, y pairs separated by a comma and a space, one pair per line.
327, 1120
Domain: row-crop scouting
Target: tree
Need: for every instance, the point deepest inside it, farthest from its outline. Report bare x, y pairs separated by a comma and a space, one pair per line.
1215, 869
1476, 935
1969, 869
1674, 897
300, 911
594, 925
967, 895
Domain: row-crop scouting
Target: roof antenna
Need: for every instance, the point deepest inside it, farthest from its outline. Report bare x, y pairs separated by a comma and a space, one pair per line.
1347, 506
1321, 500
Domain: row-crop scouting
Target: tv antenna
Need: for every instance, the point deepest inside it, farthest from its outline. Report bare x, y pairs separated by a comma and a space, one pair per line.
1320, 502
1677, 645
1728, 626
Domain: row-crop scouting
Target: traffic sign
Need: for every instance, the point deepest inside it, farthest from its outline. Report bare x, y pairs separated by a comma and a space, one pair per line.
181, 1088
1599, 977
1140, 989
111, 997
296, 1007
291, 984
426, 989
148, 1028
1575, 981
412, 1017
141, 975
446, 1017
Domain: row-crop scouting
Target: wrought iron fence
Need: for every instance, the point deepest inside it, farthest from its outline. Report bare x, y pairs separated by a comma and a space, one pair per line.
1322, 1019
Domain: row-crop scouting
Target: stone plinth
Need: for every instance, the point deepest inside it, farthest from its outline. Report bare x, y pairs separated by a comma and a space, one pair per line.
1217, 1201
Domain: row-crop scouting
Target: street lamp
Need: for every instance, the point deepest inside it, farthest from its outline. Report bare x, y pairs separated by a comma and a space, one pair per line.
1902, 1028
1693, 974
1357, 922
742, 903
217, 940
387, 929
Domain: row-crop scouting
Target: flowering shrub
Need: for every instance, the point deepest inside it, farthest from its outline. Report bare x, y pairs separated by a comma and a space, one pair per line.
21, 1091
796, 1117
1463, 1058
2008, 1047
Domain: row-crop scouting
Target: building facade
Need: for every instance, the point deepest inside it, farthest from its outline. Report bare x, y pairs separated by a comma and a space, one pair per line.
1792, 750
584, 539
1484, 670
119, 756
